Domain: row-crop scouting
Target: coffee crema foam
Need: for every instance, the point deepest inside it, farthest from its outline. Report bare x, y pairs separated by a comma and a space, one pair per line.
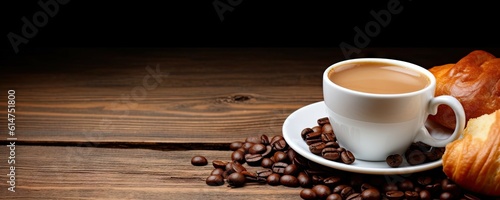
378, 78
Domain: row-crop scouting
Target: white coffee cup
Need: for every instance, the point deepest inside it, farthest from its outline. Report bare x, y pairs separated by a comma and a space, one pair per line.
373, 126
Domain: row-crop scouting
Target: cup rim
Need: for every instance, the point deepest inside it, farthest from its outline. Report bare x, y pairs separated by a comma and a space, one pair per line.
427, 73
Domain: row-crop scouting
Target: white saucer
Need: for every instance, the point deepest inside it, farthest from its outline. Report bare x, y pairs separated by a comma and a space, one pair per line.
307, 116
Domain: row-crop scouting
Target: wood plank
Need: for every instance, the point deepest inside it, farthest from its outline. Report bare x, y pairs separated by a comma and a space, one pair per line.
88, 173
205, 95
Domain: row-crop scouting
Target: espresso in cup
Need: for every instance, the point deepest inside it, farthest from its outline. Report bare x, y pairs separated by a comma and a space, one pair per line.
378, 107
378, 78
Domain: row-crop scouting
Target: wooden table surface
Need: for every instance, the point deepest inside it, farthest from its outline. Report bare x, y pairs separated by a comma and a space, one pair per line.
124, 123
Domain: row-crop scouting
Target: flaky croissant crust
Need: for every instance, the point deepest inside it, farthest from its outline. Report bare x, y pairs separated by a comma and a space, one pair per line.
473, 161
474, 80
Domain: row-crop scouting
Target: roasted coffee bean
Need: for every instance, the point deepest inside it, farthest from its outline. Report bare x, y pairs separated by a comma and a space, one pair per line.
435, 153
236, 179
237, 167
322, 191
253, 139
235, 145
313, 135
327, 137
250, 176
327, 128
394, 195
217, 171
433, 188
313, 140
291, 169
263, 173
354, 196
446, 196
238, 156
266, 163
332, 145
390, 187
316, 179
280, 145
264, 139
301, 161
219, 164
199, 161
394, 160
253, 159
257, 149
280, 156
247, 145
347, 157
279, 167
317, 129
330, 154
322, 121
332, 181
214, 180
406, 185
370, 194
304, 132
415, 157
339, 188
304, 180
289, 181
291, 154
273, 179
308, 194
316, 148
346, 192
425, 195
448, 186
334, 197
420, 146
412, 195
424, 180
275, 139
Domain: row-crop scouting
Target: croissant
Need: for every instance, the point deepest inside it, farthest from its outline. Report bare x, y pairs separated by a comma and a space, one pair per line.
474, 80
473, 161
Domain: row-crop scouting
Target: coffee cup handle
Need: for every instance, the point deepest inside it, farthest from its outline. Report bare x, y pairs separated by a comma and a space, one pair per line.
424, 135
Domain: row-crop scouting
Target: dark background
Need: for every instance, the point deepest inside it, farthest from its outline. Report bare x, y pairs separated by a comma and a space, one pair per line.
281, 23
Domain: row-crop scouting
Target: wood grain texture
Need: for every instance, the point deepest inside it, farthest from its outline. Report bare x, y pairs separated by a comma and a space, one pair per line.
107, 173
202, 96
70, 101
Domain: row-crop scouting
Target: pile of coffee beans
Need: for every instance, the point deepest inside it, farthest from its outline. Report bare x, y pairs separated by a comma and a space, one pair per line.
274, 163
322, 141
